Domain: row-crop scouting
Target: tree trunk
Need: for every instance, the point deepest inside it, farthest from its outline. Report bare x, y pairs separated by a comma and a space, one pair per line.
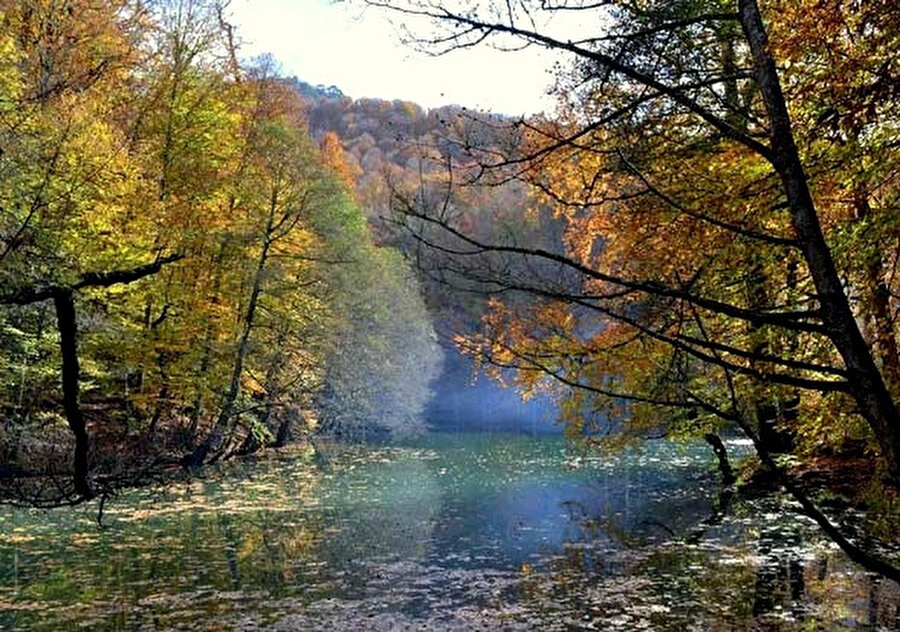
68, 343
250, 445
68, 346
768, 405
158, 410
866, 383
883, 328
214, 443
284, 429
718, 448
877, 315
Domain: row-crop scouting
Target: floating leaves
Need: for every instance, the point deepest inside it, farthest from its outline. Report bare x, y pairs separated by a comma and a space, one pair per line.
449, 532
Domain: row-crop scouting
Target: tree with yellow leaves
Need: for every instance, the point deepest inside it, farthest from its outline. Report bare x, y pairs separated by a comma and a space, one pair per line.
729, 242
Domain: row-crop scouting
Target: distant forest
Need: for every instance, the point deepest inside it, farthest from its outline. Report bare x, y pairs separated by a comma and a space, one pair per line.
382, 146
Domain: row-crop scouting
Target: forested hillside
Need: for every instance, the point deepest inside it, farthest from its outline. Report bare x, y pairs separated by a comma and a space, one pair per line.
382, 148
384, 145
183, 273
689, 266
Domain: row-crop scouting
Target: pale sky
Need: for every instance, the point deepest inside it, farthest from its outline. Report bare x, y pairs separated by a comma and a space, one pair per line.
360, 52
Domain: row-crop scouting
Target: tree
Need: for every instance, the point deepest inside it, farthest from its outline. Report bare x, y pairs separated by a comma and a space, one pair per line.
283, 185
67, 187
648, 82
385, 354
695, 274
127, 138
64, 303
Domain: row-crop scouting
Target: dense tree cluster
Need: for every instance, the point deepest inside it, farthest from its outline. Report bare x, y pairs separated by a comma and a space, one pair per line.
183, 269
727, 176
382, 146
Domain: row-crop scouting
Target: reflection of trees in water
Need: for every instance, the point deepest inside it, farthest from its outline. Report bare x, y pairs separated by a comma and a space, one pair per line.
725, 573
314, 539
376, 528
883, 603
165, 560
780, 580
818, 589
635, 510
295, 528
230, 550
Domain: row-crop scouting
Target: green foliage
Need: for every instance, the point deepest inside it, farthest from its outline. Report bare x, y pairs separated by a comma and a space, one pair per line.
385, 354
132, 139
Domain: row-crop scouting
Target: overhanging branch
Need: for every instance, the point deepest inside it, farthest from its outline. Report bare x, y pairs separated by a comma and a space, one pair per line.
36, 293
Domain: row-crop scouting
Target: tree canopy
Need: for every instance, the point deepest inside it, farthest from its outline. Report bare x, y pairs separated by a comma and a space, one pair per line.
182, 266
726, 175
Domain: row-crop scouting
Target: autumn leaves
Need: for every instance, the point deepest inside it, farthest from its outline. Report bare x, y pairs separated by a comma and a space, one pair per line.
132, 141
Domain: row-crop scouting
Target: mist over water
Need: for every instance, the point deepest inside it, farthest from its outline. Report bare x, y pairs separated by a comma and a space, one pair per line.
466, 401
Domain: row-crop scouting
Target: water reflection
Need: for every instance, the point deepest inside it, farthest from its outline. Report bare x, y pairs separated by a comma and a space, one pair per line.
453, 532
742, 574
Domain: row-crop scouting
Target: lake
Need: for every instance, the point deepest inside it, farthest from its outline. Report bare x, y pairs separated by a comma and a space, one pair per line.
472, 531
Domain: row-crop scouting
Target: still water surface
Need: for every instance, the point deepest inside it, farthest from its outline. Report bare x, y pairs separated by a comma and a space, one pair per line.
467, 532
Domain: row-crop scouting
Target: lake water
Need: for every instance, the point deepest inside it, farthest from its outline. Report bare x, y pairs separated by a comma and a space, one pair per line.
461, 532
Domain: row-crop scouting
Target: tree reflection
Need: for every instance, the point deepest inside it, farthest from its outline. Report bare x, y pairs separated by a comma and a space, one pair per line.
462, 531
780, 583
725, 573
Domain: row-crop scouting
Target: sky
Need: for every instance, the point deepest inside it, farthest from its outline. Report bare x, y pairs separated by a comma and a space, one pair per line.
360, 52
